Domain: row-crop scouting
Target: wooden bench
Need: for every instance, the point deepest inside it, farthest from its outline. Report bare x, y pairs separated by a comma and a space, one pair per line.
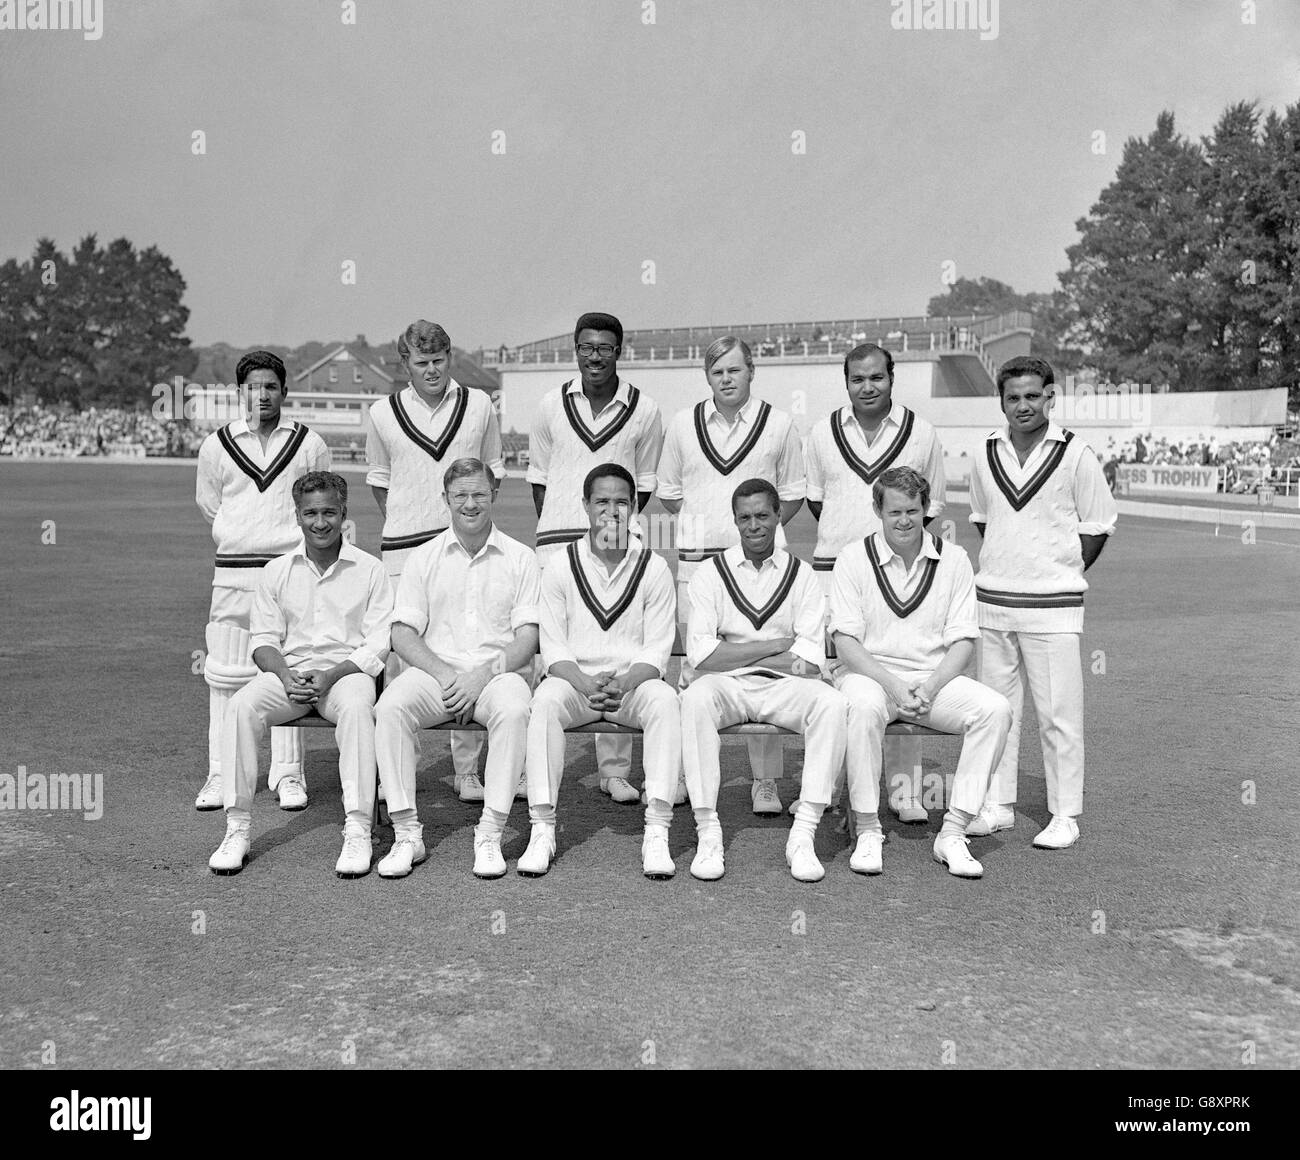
313, 720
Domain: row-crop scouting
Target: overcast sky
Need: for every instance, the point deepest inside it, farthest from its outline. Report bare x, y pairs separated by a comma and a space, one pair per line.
624, 142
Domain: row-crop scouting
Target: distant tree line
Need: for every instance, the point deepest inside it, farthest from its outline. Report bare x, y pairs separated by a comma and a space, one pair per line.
1185, 268
99, 325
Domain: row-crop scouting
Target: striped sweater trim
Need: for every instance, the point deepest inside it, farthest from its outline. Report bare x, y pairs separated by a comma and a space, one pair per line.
869, 472
560, 536
263, 477
606, 617
595, 440
724, 464
414, 540
1028, 599
752, 612
1018, 497
903, 608
242, 561
823, 563
437, 448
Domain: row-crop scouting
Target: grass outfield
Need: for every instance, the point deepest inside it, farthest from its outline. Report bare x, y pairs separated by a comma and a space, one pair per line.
593, 965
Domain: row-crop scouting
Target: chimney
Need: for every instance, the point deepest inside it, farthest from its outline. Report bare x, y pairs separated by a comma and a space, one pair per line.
361, 340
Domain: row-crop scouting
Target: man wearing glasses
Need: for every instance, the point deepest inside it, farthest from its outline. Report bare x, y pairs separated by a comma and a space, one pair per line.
594, 419
465, 621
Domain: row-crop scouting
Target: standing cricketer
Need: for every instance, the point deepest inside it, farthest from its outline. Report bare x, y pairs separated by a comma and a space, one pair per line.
847, 452
246, 472
594, 419
414, 435
1039, 499
731, 436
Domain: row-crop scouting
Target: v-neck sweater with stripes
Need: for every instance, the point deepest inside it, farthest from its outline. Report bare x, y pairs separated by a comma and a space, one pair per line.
247, 493
1031, 561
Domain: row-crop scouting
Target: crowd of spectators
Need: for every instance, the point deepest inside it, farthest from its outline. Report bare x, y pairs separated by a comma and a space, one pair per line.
1246, 464
34, 430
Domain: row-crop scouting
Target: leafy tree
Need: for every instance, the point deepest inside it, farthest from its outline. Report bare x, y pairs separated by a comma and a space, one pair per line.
99, 326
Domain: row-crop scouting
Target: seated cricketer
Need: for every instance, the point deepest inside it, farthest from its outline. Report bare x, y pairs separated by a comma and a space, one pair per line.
609, 618
319, 626
755, 650
902, 611
466, 624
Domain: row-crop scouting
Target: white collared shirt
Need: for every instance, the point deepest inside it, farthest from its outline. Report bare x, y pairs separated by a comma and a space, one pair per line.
714, 617
320, 619
466, 608
915, 642
643, 626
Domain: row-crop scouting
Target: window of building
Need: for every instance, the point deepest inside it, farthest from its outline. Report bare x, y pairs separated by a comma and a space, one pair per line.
356, 374
334, 374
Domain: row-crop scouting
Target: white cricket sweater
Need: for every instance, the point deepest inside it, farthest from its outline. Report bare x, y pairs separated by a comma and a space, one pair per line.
567, 441
704, 461
842, 469
409, 448
247, 495
1030, 575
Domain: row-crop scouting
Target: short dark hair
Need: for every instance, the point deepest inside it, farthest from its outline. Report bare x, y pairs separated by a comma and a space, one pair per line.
905, 479
608, 471
259, 360
463, 468
756, 487
320, 481
594, 320
1024, 364
866, 350
426, 337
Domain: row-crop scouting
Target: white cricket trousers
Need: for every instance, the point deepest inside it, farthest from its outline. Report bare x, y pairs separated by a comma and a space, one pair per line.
465, 744
1052, 664
650, 707
714, 701
233, 606
414, 701
902, 755
766, 754
262, 703
613, 750
962, 706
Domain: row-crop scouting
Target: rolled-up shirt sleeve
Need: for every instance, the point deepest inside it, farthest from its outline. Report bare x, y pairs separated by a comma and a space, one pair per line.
813, 465
411, 605
539, 445
207, 487
791, 477
379, 473
702, 637
1098, 512
490, 447
660, 618
847, 607
670, 466
267, 623
978, 500
647, 454
962, 621
527, 608
934, 473
376, 625
553, 623
809, 619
